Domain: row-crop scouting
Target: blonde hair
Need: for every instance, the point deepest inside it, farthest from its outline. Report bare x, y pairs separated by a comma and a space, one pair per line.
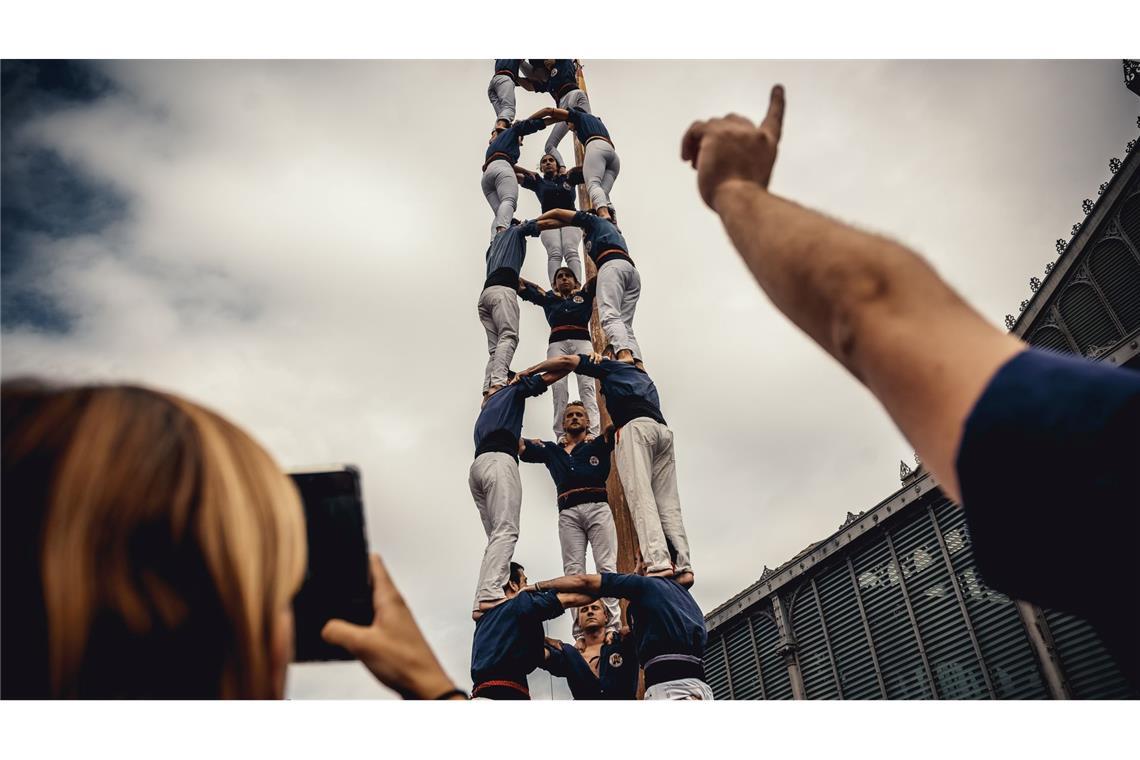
169, 542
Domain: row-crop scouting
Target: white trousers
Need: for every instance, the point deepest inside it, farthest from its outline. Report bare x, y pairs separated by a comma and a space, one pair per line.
592, 524
600, 168
559, 130
648, 471
562, 244
497, 490
499, 313
682, 688
587, 387
501, 189
501, 93
619, 287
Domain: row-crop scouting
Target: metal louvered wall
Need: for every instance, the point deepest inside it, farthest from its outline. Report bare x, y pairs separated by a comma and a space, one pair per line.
903, 614
1099, 303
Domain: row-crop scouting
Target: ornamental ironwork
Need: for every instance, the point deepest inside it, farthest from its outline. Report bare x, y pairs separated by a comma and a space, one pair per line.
1061, 245
1023, 306
904, 470
1076, 228
1049, 267
1131, 71
1131, 144
1087, 206
1103, 186
1009, 321
1114, 165
1034, 284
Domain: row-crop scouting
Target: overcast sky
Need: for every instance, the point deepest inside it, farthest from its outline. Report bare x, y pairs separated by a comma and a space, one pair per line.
299, 245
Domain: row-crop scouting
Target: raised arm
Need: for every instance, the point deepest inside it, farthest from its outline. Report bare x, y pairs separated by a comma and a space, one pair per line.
871, 303
555, 218
556, 368
582, 584
528, 291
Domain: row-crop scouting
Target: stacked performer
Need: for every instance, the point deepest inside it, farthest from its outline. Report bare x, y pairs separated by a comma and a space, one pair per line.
618, 284
666, 625
580, 468
602, 664
501, 90
568, 308
644, 455
559, 78
509, 641
500, 186
555, 189
495, 484
600, 163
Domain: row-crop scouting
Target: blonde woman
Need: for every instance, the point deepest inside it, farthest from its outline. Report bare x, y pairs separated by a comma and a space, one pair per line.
152, 549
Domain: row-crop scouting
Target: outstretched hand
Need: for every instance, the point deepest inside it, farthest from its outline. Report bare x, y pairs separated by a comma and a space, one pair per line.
393, 647
732, 148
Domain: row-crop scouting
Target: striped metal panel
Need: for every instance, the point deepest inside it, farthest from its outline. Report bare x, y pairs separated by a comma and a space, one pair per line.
1116, 271
953, 662
742, 665
900, 661
1051, 338
1006, 650
1086, 317
1089, 670
854, 657
1130, 218
716, 671
777, 682
812, 651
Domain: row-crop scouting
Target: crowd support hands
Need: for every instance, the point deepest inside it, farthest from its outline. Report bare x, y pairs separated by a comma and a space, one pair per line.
732, 148
393, 647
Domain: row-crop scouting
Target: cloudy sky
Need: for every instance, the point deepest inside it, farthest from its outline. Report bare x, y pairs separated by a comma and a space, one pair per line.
300, 246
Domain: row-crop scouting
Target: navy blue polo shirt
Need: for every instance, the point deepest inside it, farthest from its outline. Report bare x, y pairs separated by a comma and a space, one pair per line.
617, 670
588, 127
569, 318
508, 66
500, 421
563, 78
629, 391
663, 617
506, 145
580, 476
602, 239
509, 641
506, 253
1048, 468
554, 190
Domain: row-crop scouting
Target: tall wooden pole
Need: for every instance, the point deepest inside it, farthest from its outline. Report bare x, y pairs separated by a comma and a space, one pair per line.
627, 536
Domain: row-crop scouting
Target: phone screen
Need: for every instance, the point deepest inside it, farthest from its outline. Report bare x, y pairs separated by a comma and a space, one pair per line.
337, 583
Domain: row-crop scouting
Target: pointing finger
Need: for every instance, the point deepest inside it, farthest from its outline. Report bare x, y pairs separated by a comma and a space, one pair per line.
773, 123
691, 142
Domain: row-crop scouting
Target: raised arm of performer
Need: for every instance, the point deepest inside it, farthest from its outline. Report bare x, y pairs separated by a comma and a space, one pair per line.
874, 305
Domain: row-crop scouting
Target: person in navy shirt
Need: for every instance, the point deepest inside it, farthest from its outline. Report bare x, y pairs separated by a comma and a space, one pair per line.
1038, 448
500, 186
568, 309
509, 642
618, 283
499, 302
666, 624
559, 78
643, 452
580, 468
602, 664
494, 479
509, 72
600, 163
554, 187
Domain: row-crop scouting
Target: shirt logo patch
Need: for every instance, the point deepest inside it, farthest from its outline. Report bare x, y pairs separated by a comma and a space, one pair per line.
593, 461
566, 186
615, 660
589, 245
579, 299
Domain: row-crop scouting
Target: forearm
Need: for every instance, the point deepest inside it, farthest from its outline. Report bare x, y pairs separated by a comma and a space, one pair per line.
558, 217
587, 585
557, 367
575, 600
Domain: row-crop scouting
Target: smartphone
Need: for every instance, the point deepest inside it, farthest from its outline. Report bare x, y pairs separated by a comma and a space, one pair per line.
337, 581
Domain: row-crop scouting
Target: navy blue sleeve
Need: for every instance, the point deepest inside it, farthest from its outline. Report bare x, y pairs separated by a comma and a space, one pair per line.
575, 118
530, 126
584, 220
532, 385
530, 182
541, 605
1047, 469
529, 227
574, 176
555, 663
533, 293
586, 366
624, 585
535, 453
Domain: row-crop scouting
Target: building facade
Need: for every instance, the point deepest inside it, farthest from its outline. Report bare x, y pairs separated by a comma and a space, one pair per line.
892, 605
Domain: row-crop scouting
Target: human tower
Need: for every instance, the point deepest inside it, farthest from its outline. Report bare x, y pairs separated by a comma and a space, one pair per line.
665, 637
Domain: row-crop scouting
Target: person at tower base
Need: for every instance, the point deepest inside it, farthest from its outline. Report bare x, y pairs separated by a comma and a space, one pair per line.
644, 455
618, 285
600, 163
494, 480
559, 78
509, 642
666, 624
554, 187
499, 184
568, 308
580, 468
602, 664
982, 409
